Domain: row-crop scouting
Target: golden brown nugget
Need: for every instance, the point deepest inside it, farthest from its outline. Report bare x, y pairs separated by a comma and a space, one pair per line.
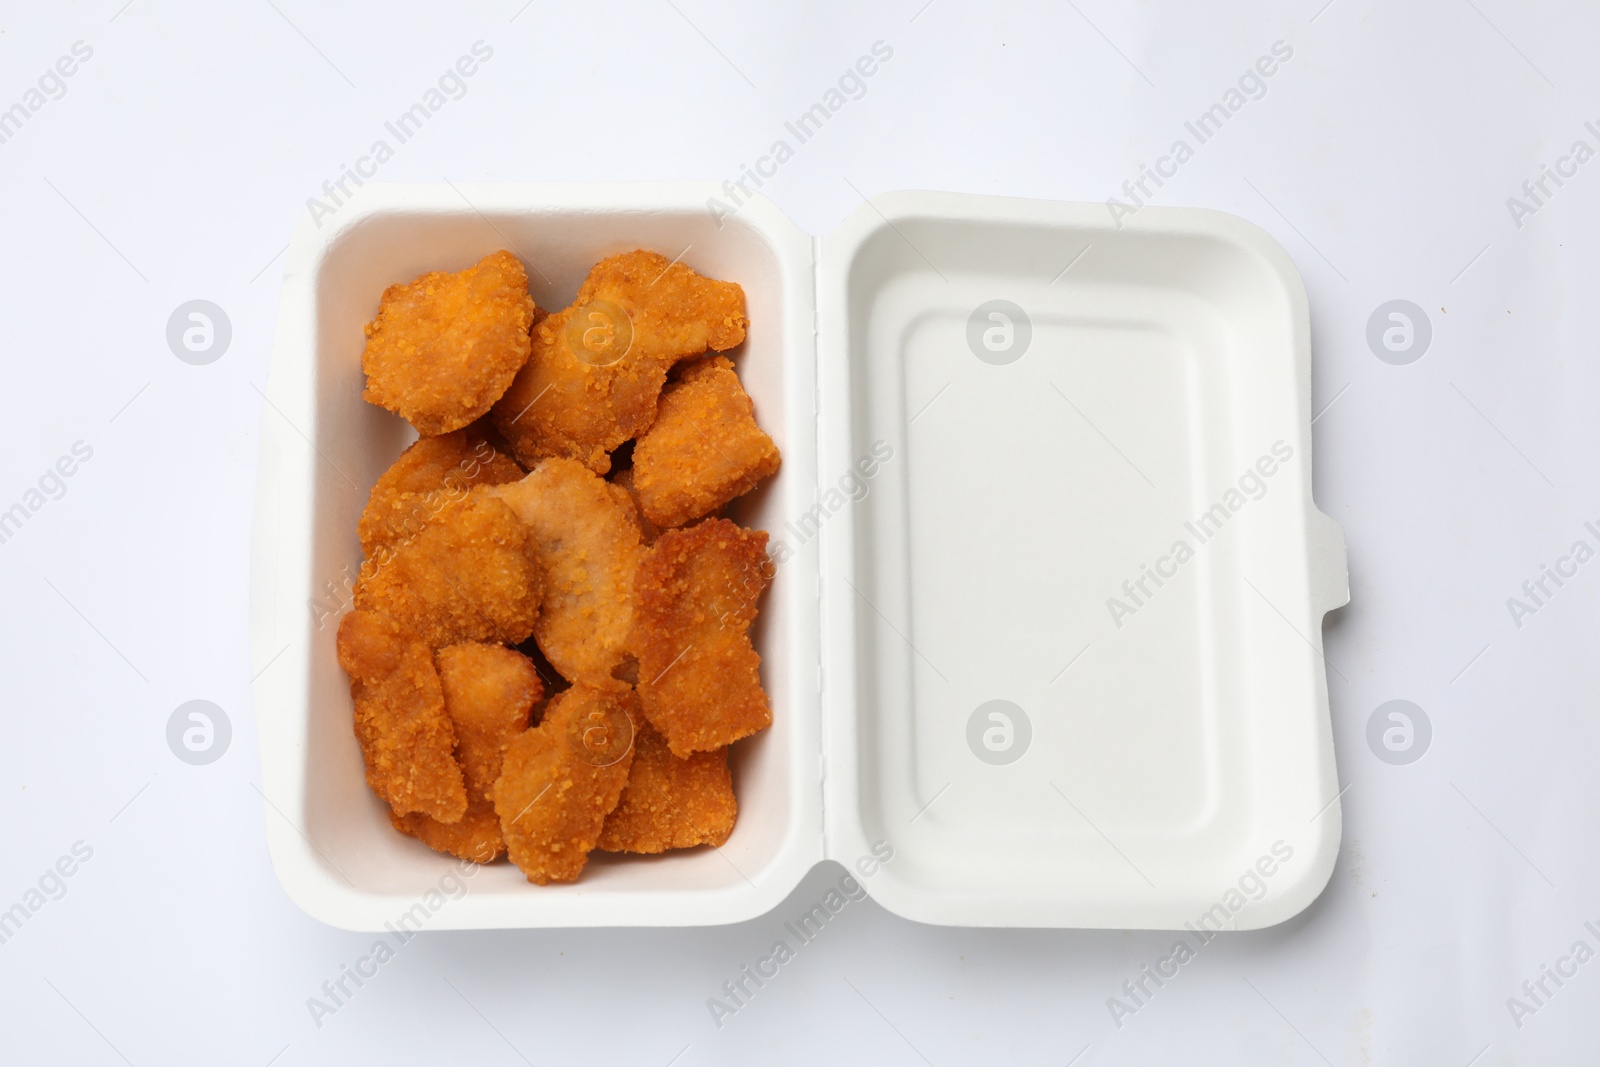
405, 735
648, 531
596, 369
476, 837
445, 347
489, 694
694, 599
560, 781
432, 474
704, 448
470, 574
587, 542
671, 802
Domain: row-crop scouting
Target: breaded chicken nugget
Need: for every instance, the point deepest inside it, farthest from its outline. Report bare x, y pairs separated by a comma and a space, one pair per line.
470, 574
704, 448
694, 599
432, 474
648, 531
596, 370
587, 542
489, 693
476, 837
405, 735
560, 781
445, 347
671, 802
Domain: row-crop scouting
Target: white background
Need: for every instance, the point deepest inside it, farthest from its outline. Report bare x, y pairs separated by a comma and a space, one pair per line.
1382, 155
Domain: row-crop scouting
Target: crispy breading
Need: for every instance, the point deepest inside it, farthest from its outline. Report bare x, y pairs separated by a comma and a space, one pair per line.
560, 780
596, 369
489, 693
405, 735
587, 542
446, 346
704, 448
476, 837
671, 802
633, 624
432, 474
470, 574
648, 531
694, 599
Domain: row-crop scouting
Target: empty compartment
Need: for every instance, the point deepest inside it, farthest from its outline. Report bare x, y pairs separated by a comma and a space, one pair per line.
1073, 633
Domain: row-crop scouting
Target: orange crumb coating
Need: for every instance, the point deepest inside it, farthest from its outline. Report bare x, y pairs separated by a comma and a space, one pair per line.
432, 474
560, 780
625, 480
694, 600
587, 543
469, 574
446, 346
476, 837
406, 737
489, 694
596, 369
671, 802
704, 448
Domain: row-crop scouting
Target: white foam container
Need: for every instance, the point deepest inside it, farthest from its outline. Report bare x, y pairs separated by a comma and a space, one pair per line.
1169, 758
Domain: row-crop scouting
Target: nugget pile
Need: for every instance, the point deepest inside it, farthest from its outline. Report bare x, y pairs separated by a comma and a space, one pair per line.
550, 647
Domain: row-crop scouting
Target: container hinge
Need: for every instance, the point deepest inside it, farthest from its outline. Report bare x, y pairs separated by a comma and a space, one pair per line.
816, 363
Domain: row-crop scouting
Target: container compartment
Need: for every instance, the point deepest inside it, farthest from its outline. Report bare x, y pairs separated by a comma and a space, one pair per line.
330, 836
1170, 745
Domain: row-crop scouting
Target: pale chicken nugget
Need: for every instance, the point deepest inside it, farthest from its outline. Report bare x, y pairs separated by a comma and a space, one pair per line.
560, 780
694, 599
405, 735
470, 574
587, 542
597, 368
445, 347
671, 802
489, 693
704, 448
476, 837
432, 474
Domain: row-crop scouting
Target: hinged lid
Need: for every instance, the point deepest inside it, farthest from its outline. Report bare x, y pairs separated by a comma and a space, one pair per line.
1072, 625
